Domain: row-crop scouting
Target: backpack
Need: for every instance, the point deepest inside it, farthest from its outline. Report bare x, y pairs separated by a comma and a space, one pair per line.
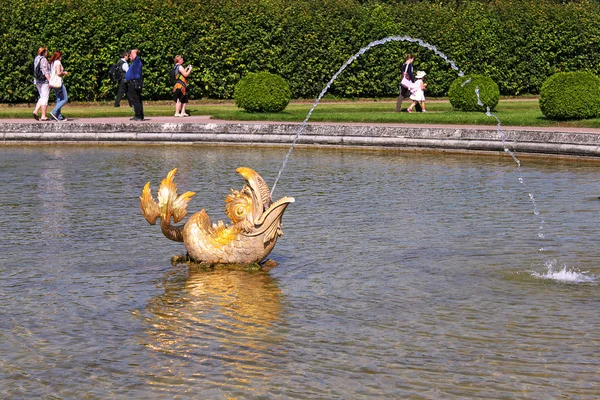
116, 71
37, 70
173, 75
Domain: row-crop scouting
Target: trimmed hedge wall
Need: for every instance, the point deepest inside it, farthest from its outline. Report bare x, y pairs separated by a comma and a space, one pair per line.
517, 43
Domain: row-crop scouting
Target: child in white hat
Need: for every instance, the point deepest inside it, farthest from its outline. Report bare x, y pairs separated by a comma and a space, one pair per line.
418, 91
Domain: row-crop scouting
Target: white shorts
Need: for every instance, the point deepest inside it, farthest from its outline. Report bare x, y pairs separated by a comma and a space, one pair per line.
44, 91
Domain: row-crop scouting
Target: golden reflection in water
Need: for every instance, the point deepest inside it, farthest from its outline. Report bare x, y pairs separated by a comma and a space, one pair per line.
221, 320
250, 299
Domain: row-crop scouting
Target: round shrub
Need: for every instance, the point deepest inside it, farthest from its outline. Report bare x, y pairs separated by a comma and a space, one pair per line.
571, 95
262, 92
464, 98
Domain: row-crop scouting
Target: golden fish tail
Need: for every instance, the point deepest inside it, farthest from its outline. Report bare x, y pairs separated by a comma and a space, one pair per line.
169, 206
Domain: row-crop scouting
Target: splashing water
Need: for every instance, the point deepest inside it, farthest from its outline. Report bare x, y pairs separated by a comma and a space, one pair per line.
566, 274
350, 61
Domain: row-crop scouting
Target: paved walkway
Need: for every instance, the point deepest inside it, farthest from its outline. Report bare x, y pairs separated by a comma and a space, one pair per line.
202, 129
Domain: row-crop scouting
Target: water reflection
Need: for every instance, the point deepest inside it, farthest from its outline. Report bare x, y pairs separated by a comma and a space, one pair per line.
53, 203
221, 321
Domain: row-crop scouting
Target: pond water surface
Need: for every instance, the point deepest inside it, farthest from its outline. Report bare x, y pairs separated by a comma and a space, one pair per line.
401, 275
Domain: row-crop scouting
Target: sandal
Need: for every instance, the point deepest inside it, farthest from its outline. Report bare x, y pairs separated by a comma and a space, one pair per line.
35, 116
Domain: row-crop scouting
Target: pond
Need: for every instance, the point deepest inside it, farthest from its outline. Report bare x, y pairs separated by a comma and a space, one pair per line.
401, 275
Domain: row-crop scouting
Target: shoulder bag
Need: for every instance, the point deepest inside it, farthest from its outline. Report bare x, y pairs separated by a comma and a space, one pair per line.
55, 80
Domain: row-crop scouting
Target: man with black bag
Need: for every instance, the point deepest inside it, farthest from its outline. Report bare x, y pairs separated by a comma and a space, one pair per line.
118, 75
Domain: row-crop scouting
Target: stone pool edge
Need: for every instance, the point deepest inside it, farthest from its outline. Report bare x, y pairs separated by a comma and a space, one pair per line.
567, 142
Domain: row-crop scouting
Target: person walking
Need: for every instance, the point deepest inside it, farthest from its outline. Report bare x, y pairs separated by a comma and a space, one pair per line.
122, 70
134, 85
57, 69
180, 88
407, 79
41, 76
418, 92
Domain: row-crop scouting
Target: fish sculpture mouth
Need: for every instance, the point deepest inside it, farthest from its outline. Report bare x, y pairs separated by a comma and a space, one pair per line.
255, 228
266, 214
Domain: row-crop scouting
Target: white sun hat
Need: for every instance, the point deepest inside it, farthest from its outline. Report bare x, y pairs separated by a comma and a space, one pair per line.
420, 74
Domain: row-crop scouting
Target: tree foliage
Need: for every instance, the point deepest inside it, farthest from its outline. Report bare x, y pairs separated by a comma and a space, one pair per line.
517, 43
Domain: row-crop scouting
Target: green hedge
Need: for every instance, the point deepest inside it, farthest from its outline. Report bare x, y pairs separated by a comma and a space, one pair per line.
571, 95
517, 43
463, 93
262, 92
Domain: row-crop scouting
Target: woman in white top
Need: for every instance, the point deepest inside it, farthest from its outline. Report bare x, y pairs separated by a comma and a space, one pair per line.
61, 92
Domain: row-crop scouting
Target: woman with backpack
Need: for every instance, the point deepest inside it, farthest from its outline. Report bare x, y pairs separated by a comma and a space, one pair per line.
41, 75
179, 81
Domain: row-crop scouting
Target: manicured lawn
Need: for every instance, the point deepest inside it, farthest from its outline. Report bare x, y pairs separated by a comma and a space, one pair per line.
511, 112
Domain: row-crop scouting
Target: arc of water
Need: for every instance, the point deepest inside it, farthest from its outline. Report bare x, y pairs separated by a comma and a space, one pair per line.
350, 61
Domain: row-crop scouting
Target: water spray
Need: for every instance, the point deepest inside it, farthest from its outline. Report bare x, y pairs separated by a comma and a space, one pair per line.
503, 137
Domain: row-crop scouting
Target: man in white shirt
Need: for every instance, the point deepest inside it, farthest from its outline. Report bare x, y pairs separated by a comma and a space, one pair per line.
122, 83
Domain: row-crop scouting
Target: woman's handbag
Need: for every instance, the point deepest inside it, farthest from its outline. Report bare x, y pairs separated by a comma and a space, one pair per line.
55, 80
405, 83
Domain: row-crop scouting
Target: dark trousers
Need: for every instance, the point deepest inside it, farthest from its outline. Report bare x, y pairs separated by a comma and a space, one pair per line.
404, 94
120, 92
135, 99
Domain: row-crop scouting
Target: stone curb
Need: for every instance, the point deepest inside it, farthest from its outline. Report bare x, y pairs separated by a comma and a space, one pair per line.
527, 140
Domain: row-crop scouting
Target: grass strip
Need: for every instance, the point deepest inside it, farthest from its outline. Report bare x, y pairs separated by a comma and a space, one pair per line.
511, 112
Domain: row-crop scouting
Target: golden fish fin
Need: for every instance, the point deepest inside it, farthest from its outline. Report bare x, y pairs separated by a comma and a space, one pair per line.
265, 193
204, 222
180, 206
148, 206
259, 188
167, 193
272, 233
218, 230
223, 235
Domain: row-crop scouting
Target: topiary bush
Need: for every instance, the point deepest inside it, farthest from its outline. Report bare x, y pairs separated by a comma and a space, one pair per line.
464, 98
262, 92
571, 95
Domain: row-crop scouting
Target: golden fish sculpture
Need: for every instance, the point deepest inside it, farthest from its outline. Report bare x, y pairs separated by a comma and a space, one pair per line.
249, 240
